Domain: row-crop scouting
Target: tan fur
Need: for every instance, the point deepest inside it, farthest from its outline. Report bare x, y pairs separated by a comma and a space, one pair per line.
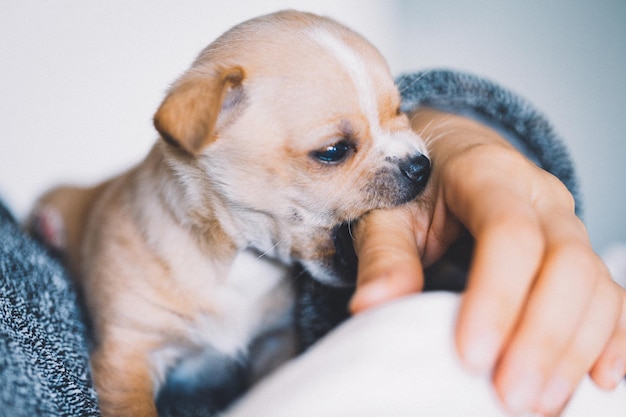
193, 247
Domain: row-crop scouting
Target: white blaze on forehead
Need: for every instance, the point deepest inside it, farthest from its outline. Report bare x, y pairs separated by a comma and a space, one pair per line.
406, 143
357, 70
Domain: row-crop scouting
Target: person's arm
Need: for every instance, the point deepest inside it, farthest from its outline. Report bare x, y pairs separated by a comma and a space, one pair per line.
540, 309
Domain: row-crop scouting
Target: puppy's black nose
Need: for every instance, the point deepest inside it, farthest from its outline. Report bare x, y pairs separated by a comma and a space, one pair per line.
417, 169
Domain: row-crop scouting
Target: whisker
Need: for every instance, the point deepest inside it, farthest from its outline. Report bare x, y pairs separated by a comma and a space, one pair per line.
301, 273
416, 80
269, 250
432, 132
425, 128
435, 137
350, 229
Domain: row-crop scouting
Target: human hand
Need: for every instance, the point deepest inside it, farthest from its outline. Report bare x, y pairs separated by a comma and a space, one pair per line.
540, 309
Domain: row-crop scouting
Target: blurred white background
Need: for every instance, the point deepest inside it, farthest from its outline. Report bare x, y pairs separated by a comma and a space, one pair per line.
80, 80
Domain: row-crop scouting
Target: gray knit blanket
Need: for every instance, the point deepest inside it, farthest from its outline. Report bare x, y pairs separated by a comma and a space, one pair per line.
44, 367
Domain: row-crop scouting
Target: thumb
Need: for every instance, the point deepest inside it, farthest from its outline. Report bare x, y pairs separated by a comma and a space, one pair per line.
389, 259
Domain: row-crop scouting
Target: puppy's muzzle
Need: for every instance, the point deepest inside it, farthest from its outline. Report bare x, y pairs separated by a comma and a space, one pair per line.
416, 170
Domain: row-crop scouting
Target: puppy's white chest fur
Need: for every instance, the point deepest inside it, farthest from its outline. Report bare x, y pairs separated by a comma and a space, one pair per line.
247, 310
255, 296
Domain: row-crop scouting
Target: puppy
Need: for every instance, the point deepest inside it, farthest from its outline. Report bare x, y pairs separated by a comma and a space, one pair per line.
283, 129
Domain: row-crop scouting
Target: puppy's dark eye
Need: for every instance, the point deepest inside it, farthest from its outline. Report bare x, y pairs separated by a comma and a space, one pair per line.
334, 153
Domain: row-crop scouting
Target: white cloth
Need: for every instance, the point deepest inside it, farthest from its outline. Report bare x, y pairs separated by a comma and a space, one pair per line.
396, 360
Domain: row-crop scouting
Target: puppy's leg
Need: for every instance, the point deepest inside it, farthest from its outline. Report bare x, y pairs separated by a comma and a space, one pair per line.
123, 376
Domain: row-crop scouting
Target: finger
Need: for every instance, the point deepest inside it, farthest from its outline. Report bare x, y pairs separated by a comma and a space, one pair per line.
561, 298
509, 248
581, 352
506, 259
544, 331
610, 367
389, 258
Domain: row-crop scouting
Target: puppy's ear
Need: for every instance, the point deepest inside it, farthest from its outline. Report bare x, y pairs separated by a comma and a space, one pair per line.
188, 115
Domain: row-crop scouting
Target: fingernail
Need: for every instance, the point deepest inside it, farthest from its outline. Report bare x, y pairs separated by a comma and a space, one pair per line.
556, 392
522, 396
481, 352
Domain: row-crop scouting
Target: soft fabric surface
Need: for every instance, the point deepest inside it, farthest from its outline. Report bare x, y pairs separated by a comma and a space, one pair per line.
396, 360
43, 348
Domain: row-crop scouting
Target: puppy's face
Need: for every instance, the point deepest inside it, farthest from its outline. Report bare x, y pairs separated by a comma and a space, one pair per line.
290, 127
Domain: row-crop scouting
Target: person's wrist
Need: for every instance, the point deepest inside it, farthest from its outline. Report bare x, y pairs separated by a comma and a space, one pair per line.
447, 134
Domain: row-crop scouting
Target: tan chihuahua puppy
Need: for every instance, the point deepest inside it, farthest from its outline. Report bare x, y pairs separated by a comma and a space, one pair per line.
284, 128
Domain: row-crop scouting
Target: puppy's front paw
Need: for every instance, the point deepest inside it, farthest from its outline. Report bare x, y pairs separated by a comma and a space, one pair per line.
46, 225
